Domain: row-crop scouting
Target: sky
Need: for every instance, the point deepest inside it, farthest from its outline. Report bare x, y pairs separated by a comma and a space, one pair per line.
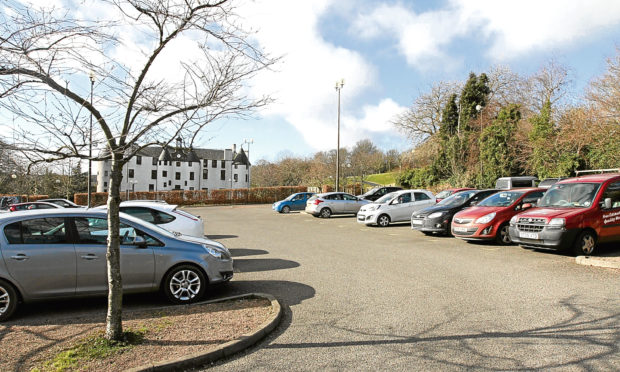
388, 53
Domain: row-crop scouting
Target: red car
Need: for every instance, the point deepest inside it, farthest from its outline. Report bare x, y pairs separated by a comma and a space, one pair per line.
32, 205
576, 213
489, 219
447, 192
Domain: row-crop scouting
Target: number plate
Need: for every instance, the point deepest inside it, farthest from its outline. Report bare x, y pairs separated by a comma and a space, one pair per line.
460, 229
528, 235
417, 222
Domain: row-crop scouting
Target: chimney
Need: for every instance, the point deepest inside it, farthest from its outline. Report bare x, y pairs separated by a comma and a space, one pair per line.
234, 148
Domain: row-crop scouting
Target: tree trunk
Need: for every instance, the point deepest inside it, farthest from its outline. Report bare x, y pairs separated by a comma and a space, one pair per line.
114, 324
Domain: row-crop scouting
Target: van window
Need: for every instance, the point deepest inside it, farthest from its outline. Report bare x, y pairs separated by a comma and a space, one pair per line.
37, 231
502, 184
522, 183
612, 192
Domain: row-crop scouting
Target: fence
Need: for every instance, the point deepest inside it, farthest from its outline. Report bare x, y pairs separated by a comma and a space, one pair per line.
255, 195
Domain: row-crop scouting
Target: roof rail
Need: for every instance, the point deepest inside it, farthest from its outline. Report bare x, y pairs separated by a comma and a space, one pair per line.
611, 170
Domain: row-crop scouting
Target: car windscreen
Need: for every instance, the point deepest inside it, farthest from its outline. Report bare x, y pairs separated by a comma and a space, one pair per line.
371, 191
157, 229
457, 199
570, 195
444, 194
501, 199
290, 197
386, 198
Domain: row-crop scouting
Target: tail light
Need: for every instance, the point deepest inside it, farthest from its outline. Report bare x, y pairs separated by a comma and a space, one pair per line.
317, 201
12, 208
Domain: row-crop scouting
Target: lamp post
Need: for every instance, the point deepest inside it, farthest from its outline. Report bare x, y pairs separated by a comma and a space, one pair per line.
339, 85
479, 110
90, 141
249, 141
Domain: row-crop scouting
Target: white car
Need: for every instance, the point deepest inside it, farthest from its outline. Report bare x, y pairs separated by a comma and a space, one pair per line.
164, 215
395, 207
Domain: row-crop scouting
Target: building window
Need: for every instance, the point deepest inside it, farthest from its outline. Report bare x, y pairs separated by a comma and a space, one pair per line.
223, 175
235, 166
177, 175
169, 183
154, 161
223, 163
236, 177
191, 188
165, 184
151, 187
189, 164
139, 160
105, 173
130, 172
105, 184
246, 178
213, 163
185, 183
178, 163
153, 174
177, 187
205, 163
205, 174
191, 176
164, 173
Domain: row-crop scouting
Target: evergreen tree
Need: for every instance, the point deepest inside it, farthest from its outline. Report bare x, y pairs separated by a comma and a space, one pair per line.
475, 92
495, 152
449, 118
542, 134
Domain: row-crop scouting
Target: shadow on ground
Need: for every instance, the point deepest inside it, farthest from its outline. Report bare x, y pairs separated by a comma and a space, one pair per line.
262, 264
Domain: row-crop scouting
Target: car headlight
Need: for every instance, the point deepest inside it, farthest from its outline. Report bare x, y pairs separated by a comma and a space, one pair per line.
486, 218
557, 223
513, 220
213, 251
373, 207
435, 215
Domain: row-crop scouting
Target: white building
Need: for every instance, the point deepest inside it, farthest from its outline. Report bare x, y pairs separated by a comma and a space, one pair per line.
176, 168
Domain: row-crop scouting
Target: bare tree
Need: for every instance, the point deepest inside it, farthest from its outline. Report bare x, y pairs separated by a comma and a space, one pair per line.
423, 118
551, 83
46, 57
604, 92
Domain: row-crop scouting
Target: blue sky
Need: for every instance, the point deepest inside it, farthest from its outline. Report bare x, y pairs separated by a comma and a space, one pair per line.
389, 52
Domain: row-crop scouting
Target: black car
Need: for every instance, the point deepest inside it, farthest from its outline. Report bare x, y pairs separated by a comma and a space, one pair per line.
378, 192
437, 219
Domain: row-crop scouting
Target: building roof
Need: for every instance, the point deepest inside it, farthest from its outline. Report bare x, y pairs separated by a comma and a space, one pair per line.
174, 154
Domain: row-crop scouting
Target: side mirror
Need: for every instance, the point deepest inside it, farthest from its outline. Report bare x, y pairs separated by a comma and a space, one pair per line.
526, 206
473, 203
607, 203
139, 241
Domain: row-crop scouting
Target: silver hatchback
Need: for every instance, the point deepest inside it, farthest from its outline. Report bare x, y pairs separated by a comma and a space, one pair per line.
329, 203
62, 253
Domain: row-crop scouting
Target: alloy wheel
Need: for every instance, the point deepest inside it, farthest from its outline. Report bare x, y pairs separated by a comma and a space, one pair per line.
185, 285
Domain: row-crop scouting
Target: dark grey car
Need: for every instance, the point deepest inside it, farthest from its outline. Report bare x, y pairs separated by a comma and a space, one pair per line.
62, 253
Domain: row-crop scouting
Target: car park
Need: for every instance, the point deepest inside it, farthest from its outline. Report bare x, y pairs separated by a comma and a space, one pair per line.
61, 253
489, 219
377, 192
28, 206
395, 207
65, 203
576, 213
165, 215
294, 202
327, 204
507, 183
447, 192
437, 219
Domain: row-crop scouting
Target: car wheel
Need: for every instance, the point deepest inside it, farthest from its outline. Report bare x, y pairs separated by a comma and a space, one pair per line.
184, 284
286, 209
503, 237
326, 212
383, 220
8, 300
585, 244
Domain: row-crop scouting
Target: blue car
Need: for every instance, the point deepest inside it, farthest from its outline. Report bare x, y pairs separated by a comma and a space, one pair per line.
295, 202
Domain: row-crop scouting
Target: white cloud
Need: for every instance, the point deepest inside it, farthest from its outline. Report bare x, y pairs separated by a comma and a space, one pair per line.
512, 29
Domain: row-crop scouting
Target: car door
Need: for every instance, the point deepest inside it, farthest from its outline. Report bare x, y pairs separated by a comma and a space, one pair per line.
401, 207
351, 204
40, 257
610, 230
298, 202
137, 263
422, 200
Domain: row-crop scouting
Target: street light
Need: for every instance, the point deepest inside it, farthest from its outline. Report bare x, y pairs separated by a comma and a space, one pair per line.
479, 110
339, 85
90, 144
249, 141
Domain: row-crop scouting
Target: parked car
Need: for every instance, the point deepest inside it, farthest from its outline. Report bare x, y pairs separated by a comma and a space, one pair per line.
327, 204
377, 192
437, 219
164, 215
489, 219
62, 202
396, 206
548, 182
507, 183
61, 253
27, 206
447, 192
6, 201
294, 202
576, 213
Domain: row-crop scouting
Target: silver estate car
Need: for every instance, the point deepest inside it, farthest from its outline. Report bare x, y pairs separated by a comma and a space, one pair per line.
395, 207
62, 253
326, 204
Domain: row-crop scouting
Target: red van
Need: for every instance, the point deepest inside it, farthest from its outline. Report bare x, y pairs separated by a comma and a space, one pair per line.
576, 213
488, 220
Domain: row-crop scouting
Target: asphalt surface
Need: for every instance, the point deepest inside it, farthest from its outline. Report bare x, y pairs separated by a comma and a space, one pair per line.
364, 298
